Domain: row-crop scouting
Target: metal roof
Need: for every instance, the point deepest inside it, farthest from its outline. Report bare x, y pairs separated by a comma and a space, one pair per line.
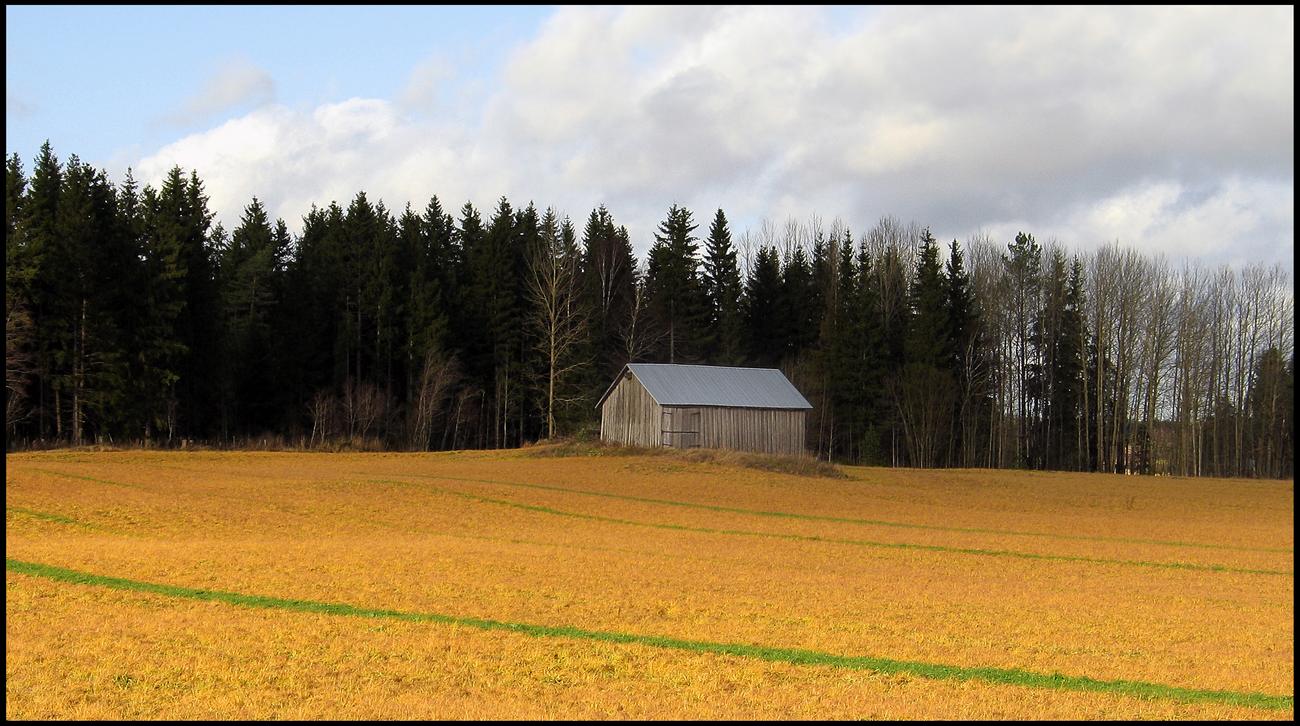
690, 385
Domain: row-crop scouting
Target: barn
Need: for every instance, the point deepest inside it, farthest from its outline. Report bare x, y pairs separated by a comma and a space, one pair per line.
694, 406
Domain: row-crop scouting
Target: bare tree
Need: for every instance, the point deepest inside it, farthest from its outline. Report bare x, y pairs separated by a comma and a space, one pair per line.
1189, 370
1156, 347
557, 312
18, 363
437, 376
923, 395
639, 334
745, 251
362, 405
322, 409
989, 286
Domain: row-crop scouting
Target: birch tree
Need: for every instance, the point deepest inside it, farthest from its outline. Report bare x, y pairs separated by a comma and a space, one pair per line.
553, 288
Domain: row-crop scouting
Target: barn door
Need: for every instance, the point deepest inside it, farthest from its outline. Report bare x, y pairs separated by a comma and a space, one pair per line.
691, 431
681, 428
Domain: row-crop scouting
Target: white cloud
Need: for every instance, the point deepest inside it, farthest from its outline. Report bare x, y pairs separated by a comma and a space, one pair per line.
424, 84
16, 106
1167, 127
1238, 221
238, 83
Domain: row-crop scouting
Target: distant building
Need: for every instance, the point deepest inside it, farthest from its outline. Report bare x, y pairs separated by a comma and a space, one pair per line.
715, 407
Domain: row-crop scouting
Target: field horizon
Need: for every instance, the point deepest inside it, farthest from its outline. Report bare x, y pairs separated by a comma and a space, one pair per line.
503, 584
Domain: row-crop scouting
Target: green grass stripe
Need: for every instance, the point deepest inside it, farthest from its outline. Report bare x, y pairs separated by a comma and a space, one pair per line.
47, 517
110, 482
856, 542
846, 520
1001, 676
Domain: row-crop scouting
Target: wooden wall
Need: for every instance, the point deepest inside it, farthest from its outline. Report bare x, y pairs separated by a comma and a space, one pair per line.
630, 416
763, 430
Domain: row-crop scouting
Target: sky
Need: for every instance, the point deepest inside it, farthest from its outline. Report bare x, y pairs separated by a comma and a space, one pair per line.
1168, 129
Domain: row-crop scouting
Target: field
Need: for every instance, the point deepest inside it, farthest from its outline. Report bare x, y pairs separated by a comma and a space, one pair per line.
502, 584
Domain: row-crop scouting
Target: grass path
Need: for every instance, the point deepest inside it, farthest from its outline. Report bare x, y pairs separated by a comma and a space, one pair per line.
1005, 676
855, 542
46, 516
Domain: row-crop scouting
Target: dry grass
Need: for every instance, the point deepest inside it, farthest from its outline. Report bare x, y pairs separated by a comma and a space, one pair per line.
797, 465
614, 543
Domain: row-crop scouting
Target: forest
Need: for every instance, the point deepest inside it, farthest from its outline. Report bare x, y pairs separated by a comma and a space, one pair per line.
132, 318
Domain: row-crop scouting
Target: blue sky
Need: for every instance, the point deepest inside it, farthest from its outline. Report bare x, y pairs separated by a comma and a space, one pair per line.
1169, 129
100, 80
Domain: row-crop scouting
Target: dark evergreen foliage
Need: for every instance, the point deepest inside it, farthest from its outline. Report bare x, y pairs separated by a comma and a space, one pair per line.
677, 302
131, 317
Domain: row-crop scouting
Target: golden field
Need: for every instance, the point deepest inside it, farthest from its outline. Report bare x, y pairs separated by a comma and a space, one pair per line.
1185, 583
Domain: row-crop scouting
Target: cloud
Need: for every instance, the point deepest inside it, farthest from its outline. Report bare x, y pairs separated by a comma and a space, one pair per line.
424, 84
291, 159
1235, 221
16, 107
1171, 128
237, 84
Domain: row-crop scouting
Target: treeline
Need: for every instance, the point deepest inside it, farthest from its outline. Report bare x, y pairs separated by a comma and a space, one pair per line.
131, 317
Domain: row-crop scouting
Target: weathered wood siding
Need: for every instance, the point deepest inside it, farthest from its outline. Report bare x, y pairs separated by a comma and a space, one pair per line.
630, 416
763, 430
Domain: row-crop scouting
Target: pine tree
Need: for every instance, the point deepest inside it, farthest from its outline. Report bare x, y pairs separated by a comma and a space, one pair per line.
608, 270
964, 352
889, 288
18, 322
926, 340
37, 221
471, 334
18, 269
1045, 441
872, 416
526, 406
762, 307
360, 235
923, 392
1066, 403
249, 278
844, 339
1023, 263
677, 302
492, 266
796, 308
723, 288
426, 312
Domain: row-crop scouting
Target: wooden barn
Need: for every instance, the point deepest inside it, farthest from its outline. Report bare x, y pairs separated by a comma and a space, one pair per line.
716, 407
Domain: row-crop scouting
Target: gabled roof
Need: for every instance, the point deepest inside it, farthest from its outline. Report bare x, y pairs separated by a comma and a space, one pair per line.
689, 385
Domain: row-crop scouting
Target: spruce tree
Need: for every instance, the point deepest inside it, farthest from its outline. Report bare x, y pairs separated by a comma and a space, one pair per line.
1023, 262
762, 307
1067, 392
37, 221
871, 359
676, 297
18, 270
963, 352
923, 391
722, 285
471, 334
608, 270
18, 327
249, 280
795, 310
